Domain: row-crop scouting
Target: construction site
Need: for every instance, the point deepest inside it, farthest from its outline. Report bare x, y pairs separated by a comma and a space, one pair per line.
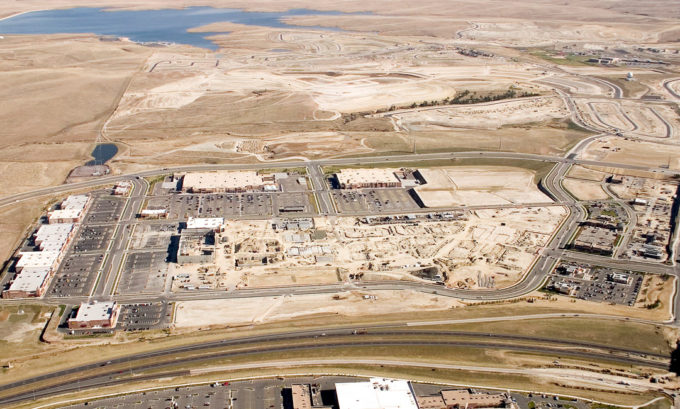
651, 202
475, 249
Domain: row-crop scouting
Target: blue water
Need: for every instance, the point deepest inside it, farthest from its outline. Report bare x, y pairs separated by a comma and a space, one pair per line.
166, 25
102, 153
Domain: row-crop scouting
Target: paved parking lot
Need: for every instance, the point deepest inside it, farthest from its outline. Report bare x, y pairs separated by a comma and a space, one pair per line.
373, 200
105, 209
220, 205
136, 317
181, 207
76, 275
256, 204
143, 272
93, 238
255, 394
548, 401
294, 183
293, 203
275, 394
594, 283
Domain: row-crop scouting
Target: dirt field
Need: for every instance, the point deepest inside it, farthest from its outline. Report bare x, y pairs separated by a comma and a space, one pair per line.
582, 172
656, 293
634, 152
488, 116
446, 187
258, 310
585, 190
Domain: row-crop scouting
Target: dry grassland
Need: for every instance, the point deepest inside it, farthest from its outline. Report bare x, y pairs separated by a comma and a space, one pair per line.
14, 224
73, 352
71, 83
591, 307
612, 149
546, 139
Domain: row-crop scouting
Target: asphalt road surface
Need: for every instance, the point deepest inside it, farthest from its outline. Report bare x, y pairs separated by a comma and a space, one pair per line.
128, 368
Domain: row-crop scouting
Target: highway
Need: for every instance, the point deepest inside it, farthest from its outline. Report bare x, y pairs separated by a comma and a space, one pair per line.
132, 367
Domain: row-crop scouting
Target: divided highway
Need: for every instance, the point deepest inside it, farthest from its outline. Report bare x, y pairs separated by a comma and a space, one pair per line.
132, 367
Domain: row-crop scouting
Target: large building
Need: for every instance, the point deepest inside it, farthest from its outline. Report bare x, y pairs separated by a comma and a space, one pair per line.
377, 393
197, 240
53, 237
226, 182
196, 246
367, 178
95, 316
38, 259
211, 223
462, 399
32, 282
35, 268
71, 210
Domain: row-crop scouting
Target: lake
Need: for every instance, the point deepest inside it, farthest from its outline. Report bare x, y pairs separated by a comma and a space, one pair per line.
148, 26
102, 153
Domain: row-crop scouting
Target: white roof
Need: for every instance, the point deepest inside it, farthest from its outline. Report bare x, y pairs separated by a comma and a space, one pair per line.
53, 237
77, 202
30, 279
65, 214
378, 393
221, 180
37, 259
48, 230
94, 311
52, 245
357, 176
154, 211
205, 222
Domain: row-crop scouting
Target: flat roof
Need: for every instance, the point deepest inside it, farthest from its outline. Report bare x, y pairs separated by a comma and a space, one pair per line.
53, 237
30, 279
464, 397
302, 396
358, 176
205, 222
75, 202
72, 213
52, 229
378, 393
37, 259
94, 311
154, 211
221, 180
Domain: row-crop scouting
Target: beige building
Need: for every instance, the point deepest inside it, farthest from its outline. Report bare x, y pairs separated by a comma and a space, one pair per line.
461, 399
302, 396
226, 182
367, 178
95, 315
